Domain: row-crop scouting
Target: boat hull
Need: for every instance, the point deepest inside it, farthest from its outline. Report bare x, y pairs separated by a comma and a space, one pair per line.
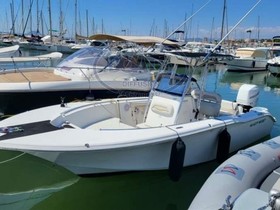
156, 156
246, 65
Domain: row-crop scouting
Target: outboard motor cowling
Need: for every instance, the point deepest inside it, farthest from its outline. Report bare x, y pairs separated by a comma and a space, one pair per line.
247, 97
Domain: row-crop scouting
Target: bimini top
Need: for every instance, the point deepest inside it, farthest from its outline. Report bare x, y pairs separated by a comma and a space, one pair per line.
143, 40
259, 52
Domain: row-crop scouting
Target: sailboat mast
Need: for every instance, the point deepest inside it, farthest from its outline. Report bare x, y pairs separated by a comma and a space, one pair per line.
13, 16
258, 28
185, 29
31, 4
102, 26
75, 19
42, 22
37, 18
60, 20
93, 26
223, 19
80, 24
22, 15
50, 19
87, 22
212, 28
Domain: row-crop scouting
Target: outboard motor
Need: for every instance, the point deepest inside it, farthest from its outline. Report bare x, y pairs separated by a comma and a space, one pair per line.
247, 97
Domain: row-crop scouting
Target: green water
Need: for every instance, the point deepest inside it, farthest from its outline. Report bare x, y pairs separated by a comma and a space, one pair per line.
27, 182
126, 191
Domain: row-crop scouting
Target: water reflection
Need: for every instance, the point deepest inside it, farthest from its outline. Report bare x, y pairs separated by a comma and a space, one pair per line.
273, 83
235, 79
152, 190
26, 181
257, 78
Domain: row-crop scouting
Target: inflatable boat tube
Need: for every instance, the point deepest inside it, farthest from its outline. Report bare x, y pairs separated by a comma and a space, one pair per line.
242, 171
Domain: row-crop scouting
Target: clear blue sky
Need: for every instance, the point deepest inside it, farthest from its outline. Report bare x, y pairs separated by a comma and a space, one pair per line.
151, 17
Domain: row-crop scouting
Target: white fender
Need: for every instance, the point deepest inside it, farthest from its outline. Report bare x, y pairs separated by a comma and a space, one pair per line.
244, 170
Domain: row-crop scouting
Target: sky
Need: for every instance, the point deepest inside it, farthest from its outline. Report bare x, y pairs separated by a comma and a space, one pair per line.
149, 17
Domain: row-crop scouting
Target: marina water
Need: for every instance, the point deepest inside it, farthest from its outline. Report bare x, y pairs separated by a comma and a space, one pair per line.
27, 182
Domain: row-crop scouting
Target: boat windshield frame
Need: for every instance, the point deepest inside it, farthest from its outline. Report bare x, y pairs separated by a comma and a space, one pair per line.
104, 58
175, 85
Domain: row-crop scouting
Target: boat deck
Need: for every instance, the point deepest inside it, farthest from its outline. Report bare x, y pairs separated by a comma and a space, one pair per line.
111, 123
26, 129
31, 76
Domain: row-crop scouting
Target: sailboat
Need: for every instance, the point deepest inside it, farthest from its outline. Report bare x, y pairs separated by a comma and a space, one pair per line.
57, 43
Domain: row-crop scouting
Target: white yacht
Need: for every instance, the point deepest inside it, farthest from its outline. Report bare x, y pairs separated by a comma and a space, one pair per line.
251, 59
97, 72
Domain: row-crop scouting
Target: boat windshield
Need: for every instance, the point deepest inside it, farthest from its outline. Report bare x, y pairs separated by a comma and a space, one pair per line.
173, 85
104, 58
87, 57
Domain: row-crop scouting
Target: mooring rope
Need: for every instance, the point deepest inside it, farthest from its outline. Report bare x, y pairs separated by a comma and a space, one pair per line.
13, 158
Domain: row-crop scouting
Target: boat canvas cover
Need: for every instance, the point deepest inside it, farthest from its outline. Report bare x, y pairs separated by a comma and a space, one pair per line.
144, 40
244, 52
